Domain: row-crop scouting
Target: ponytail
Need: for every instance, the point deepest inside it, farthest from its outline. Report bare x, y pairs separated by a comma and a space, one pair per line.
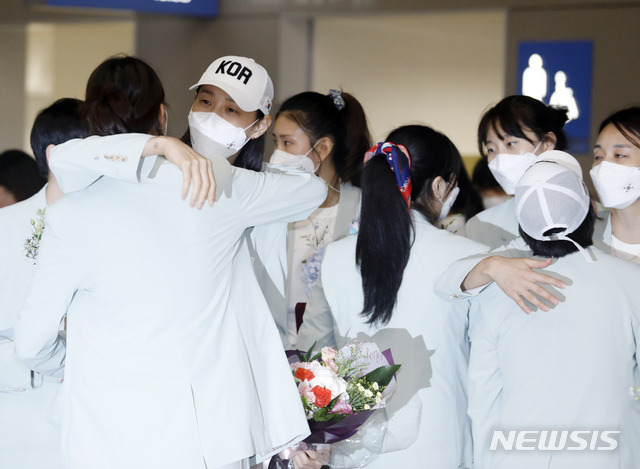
384, 240
357, 140
386, 226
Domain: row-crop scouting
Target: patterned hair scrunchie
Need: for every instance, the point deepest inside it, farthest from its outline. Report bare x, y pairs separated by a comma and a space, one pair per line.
400, 162
338, 100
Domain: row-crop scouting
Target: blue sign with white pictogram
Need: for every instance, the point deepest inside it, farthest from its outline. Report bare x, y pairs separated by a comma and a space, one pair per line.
174, 7
559, 73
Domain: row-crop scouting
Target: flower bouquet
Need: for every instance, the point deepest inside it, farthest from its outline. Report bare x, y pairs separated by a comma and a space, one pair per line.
340, 390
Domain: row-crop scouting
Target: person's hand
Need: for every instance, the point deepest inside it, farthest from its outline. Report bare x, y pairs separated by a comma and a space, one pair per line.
196, 170
310, 459
517, 279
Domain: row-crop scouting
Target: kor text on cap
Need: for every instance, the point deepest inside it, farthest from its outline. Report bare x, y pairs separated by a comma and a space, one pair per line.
234, 69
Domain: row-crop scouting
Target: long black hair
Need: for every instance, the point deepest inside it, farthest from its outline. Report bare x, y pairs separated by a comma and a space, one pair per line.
386, 226
344, 122
517, 113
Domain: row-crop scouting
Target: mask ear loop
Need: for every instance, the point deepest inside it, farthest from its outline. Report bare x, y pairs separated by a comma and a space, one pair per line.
448, 193
315, 170
248, 127
318, 165
536, 148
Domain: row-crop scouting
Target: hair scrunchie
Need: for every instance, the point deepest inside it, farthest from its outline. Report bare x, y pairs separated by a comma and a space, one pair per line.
338, 100
400, 162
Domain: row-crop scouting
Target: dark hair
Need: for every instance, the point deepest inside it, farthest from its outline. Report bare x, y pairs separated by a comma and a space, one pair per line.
468, 203
318, 116
19, 174
482, 178
582, 235
627, 121
386, 227
123, 95
517, 113
252, 153
56, 124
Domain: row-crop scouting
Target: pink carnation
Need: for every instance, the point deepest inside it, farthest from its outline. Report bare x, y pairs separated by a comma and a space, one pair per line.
328, 357
331, 365
294, 366
341, 407
329, 353
308, 393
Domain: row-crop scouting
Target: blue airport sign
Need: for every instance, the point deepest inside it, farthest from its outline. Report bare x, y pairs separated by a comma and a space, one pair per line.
559, 73
207, 8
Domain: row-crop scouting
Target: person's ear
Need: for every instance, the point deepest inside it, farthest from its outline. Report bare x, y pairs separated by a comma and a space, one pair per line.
263, 125
163, 117
439, 187
47, 151
323, 147
549, 141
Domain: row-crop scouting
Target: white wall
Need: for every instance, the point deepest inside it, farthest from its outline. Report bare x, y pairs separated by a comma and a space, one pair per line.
61, 56
441, 69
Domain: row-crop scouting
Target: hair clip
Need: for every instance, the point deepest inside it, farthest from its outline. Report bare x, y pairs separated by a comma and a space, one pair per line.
338, 100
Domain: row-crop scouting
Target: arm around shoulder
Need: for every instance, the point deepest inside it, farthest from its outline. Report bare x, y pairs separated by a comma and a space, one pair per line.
78, 163
278, 197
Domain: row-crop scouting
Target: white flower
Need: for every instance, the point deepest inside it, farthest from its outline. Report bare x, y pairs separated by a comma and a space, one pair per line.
368, 393
378, 399
367, 407
360, 387
325, 378
375, 386
32, 244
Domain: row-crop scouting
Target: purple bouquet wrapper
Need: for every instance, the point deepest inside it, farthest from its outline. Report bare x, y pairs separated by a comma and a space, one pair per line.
332, 432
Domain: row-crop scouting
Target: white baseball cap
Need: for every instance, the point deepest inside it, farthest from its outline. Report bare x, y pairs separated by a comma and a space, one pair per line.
563, 158
551, 196
247, 82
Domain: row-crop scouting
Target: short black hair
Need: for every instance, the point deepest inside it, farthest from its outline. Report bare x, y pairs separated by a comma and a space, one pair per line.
19, 174
56, 124
583, 235
627, 121
516, 113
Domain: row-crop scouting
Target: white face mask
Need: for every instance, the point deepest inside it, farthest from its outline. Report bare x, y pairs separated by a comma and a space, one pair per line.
508, 169
302, 162
617, 185
448, 203
211, 135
